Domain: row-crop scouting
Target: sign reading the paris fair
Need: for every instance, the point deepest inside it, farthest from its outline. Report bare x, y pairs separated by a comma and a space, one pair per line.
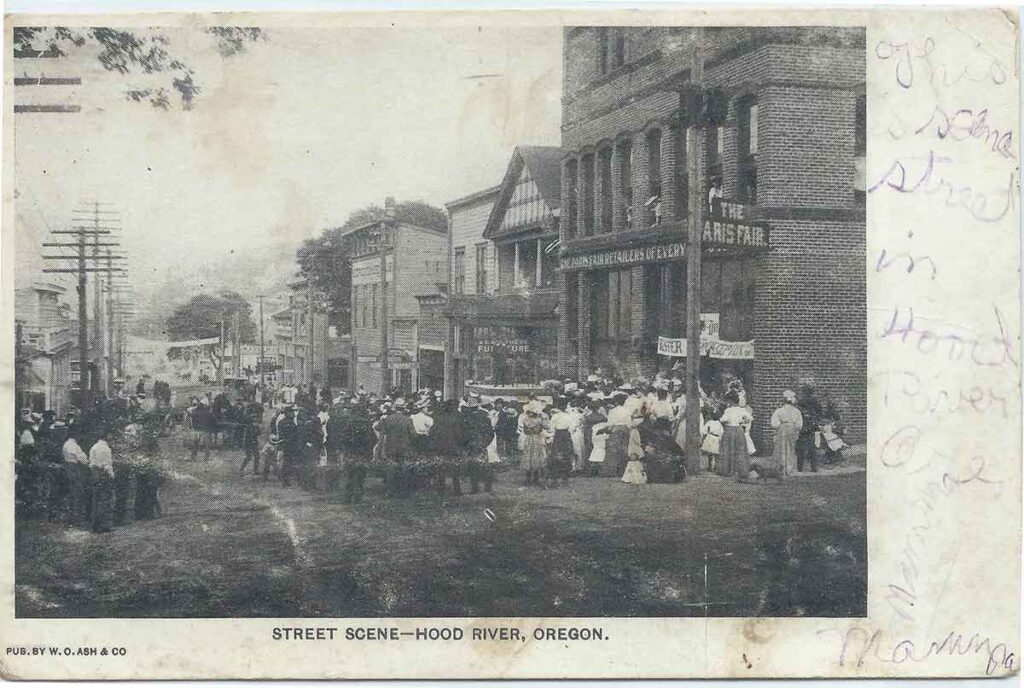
622, 257
731, 224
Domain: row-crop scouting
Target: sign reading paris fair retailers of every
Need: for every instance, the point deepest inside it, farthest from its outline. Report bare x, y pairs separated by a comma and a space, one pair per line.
624, 256
728, 226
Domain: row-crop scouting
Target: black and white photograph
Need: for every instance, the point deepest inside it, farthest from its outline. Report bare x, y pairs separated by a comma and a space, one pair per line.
342, 333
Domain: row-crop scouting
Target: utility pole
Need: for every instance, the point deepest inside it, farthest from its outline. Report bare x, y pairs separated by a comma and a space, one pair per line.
695, 164
84, 264
108, 342
80, 238
384, 244
262, 367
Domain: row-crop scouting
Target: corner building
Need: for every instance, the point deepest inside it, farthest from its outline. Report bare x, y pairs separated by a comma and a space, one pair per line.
786, 289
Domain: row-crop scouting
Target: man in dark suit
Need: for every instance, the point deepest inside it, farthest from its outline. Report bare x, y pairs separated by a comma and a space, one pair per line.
397, 437
477, 434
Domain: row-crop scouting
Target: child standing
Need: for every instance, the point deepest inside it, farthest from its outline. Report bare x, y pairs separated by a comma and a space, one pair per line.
711, 440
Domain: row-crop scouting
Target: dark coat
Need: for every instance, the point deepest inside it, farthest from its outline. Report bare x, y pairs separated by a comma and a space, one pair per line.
397, 434
477, 431
446, 434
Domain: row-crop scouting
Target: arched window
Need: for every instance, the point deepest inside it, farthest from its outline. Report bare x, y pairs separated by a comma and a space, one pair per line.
604, 201
626, 181
747, 154
586, 176
570, 182
652, 197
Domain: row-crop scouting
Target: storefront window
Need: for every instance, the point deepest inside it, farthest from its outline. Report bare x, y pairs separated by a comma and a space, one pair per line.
509, 355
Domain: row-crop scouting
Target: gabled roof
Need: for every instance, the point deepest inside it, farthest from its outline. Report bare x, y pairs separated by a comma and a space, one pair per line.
544, 164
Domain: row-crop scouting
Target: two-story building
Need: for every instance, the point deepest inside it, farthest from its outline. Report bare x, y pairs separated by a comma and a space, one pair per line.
783, 260
385, 309
504, 298
307, 349
45, 347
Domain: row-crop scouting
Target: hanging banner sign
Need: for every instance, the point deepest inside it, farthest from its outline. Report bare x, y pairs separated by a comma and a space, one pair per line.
622, 257
714, 348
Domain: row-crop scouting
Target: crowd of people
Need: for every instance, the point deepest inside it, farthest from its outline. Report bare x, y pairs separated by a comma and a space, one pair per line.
104, 469
631, 430
91, 470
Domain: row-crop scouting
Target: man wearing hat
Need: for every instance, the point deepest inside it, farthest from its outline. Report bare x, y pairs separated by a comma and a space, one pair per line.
477, 435
290, 444
446, 445
101, 465
351, 437
397, 437
422, 422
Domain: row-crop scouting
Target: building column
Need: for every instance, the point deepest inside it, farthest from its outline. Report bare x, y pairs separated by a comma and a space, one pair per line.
638, 320
516, 271
564, 231
583, 324
563, 352
539, 266
449, 361
665, 308
581, 196
618, 190
669, 136
599, 192
641, 183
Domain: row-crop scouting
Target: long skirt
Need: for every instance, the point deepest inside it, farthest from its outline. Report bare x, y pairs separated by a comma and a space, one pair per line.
785, 447
563, 455
733, 457
616, 449
634, 473
534, 453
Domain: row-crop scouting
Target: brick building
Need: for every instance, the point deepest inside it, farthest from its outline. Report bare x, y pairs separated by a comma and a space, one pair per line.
505, 297
788, 296
416, 260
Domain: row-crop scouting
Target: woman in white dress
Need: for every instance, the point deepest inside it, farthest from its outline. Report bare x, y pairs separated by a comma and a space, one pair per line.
635, 473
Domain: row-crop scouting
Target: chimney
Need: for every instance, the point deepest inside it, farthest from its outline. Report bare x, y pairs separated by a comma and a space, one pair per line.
389, 207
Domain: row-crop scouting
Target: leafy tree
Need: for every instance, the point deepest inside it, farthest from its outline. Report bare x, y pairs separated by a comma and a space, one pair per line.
200, 318
324, 260
133, 51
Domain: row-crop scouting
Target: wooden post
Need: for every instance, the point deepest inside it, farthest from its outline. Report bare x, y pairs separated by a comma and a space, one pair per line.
694, 161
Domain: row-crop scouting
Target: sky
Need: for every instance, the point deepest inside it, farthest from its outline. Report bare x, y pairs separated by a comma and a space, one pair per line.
283, 141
